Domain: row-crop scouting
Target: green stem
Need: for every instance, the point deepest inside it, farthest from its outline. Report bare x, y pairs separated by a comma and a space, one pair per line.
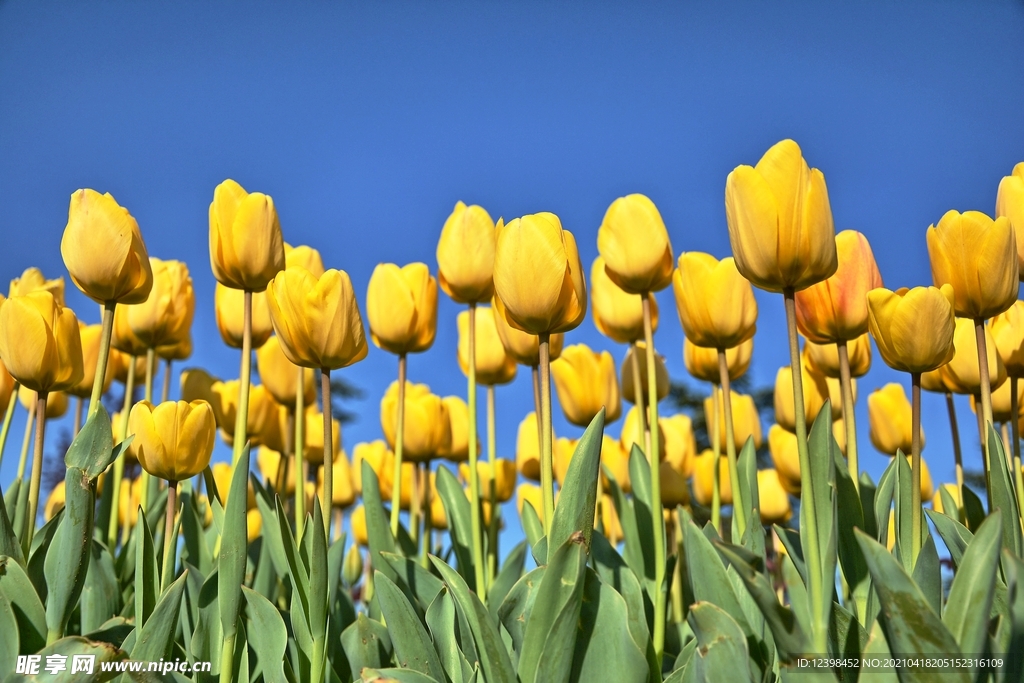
986, 403
716, 474
638, 396
1015, 440
427, 521
739, 507
148, 485
129, 390
104, 353
170, 546
37, 472
957, 455
677, 577
492, 498
30, 420
300, 454
242, 413
849, 413
476, 526
916, 522
227, 658
547, 486
396, 484
165, 393
535, 371
12, 403
77, 425
657, 517
328, 501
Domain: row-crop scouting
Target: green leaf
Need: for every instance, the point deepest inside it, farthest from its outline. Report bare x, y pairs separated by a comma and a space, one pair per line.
366, 643
970, 596
156, 639
1014, 569
633, 551
974, 511
851, 559
442, 622
868, 492
746, 468
92, 449
954, 534
147, 576
68, 558
1003, 496
798, 600
231, 563
9, 545
196, 551
533, 528
710, 581
604, 648
16, 587
510, 573
883, 501
817, 512
318, 591
207, 638
413, 648
395, 676
927, 574
790, 540
722, 653
69, 647
514, 611
419, 585
640, 477
268, 636
456, 507
577, 498
10, 643
614, 571
101, 596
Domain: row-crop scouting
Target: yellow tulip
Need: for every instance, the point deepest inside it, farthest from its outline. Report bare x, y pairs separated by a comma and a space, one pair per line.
380, 459
674, 490
253, 525
538, 277
268, 461
357, 523
504, 481
815, 392
130, 495
33, 280
317, 320
493, 364
281, 377
617, 461
746, 423
661, 377
953, 491
634, 243
618, 314
680, 443
56, 402
165, 317
427, 430
585, 382
927, 488
222, 473
197, 384
1007, 330
1001, 403
304, 257
90, 337
173, 440
40, 342
703, 479
836, 308
835, 395
715, 303
961, 373
977, 256
608, 516
103, 250
342, 494
387, 482
6, 386
55, 501
1010, 204
913, 328
123, 339
782, 445
562, 452
780, 221
825, 357
458, 417
702, 362
122, 362
889, 413
438, 515
629, 434
775, 508
228, 304
529, 493
465, 254
246, 246
934, 380
401, 307
180, 350
315, 437
523, 346
528, 447
224, 402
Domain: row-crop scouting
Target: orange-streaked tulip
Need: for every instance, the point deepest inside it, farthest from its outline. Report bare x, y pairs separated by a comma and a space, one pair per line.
222, 472
825, 357
1010, 204
680, 443
493, 364
504, 481
380, 459
746, 423
228, 305
342, 494
523, 346
528, 447
530, 493
585, 382
780, 221
815, 393
401, 307
33, 280
458, 416
836, 309
224, 402
103, 250
55, 501
782, 445
246, 246
40, 342
629, 434
618, 314
538, 277
889, 413
56, 402
166, 316
317, 320
281, 377
304, 257
977, 256
775, 508
315, 437
465, 254
173, 440
90, 337
913, 328
357, 523
663, 383
427, 431
961, 373
702, 362
674, 490
123, 339
703, 479
635, 246
715, 303
1007, 330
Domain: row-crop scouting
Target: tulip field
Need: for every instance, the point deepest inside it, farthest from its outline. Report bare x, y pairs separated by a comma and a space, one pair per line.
645, 559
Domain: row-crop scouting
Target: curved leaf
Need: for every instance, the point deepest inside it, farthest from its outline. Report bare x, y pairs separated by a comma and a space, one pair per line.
722, 653
413, 648
604, 649
456, 507
16, 587
268, 636
510, 573
156, 639
970, 596
231, 563
68, 557
366, 643
577, 497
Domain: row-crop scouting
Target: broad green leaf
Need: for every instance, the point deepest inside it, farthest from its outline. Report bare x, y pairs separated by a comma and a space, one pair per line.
268, 636
884, 495
514, 611
510, 573
101, 596
16, 587
708, 576
418, 584
954, 534
817, 521
798, 600
10, 643
366, 643
114, 631
156, 639
949, 504
722, 653
877, 647
1002, 491
604, 648
318, 591
456, 507
633, 552
533, 528
746, 467
413, 648
974, 511
927, 574
68, 559
855, 570
196, 551
231, 563
9, 545
868, 492
790, 540
441, 621
577, 497
547, 652
970, 596
1014, 568
614, 571
69, 647
395, 676
640, 478
205, 645
11, 500
147, 575
92, 449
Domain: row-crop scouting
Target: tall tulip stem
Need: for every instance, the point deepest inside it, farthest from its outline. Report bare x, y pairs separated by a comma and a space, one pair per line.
300, 454
638, 391
77, 425
657, 517
104, 353
986, 403
476, 524
30, 420
328, 413
149, 484
547, 486
129, 391
849, 413
1015, 443
396, 486
37, 472
165, 393
916, 522
169, 542
427, 520
8, 416
536, 407
807, 517
150, 373
242, 413
716, 475
957, 454
739, 506
492, 493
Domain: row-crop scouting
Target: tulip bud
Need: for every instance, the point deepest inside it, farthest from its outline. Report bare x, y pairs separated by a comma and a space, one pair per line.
427, 431
381, 460
523, 346
317, 320
634, 243
90, 336
703, 479
746, 423
538, 277
458, 416
55, 501
780, 221
913, 328
1010, 204
33, 280
629, 433
775, 508
304, 257
674, 490
229, 304
342, 494
618, 314
680, 443
664, 384
529, 493
815, 393
352, 567
528, 447
40, 342
103, 250
702, 362
836, 308
56, 402
782, 445
197, 384
246, 247
1007, 330
825, 357
124, 340
357, 523
493, 365
585, 382
465, 254
962, 374
165, 317
173, 440
281, 377
401, 307
224, 403
977, 256
889, 413
504, 481
715, 303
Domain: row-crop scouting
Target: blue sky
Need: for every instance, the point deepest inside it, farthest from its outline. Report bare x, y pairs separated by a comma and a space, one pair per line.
367, 122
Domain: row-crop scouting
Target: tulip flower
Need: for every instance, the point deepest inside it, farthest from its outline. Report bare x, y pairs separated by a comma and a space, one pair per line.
890, 416
246, 246
280, 376
229, 307
674, 490
458, 417
493, 364
616, 460
528, 447
166, 316
277, 471
315, 452
33, 280
523, 346
1010, 205
815, 392
222, 478
56, 402
8, 391
465, 254
702, 362
585, 381
123, 339
1007, 331
1005, 408
680, 443
55, 501
304, 257
775, 507
343, 494
180, 350
629, 385
953, 490
504, 482
825, 357
427, 425
608, 518
357, 523
380, 458
785, 457
913, 328
387, 482
401, 307
530, 493
91, 336
40, 342
703, 479
261, 409
635, 246
746, 423
715, 303
961, 373
618, 314
631, 430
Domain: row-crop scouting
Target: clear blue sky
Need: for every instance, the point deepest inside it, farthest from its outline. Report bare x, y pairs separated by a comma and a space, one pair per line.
366, 122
